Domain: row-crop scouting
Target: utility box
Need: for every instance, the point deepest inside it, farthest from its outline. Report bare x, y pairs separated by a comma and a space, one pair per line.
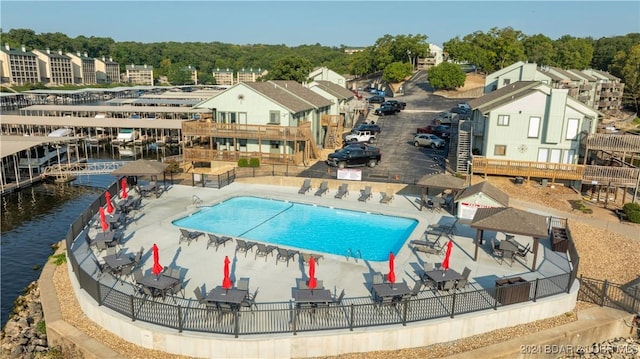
512, 290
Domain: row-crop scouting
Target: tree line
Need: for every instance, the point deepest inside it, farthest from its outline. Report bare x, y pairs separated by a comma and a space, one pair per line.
395, 56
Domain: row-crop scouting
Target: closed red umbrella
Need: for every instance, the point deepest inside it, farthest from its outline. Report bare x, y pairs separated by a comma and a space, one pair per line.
226, 281
157, 268
391, 277
312, 274
103, 220
107, 196
445, 262
123, 184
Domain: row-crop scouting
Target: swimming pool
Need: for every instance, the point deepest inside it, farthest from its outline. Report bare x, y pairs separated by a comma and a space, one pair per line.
316, 228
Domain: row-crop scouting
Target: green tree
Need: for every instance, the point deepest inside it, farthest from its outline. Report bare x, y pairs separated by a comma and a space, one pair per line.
573, 52
178, 75
627, 64
539, 49
507, 45
294, 68
361, 62
446, 76
397, 71
605, 48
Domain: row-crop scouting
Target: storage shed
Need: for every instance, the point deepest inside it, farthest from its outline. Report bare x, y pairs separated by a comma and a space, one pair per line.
480, 195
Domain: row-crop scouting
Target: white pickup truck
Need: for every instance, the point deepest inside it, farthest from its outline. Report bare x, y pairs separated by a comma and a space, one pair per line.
360, 136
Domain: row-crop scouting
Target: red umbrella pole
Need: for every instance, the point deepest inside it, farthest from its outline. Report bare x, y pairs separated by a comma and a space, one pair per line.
313, 283
391, 277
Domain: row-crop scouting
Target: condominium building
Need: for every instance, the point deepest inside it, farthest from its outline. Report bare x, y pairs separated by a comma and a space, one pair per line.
84, 68
107, 71
250, 75
140, 74
435, 58
18, 67
55, 67
224, 77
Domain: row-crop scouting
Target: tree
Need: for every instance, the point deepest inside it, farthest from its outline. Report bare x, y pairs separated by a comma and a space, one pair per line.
446, 76
539, 49
605, 48
491, 51
397, 71
573, 53
294, 68
178, 75
627, 64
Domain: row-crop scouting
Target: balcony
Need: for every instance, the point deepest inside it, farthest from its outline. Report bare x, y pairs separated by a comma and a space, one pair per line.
585, 87
208, 155
229, 130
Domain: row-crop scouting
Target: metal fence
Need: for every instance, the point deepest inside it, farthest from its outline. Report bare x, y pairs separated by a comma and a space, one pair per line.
284, 317
607, 294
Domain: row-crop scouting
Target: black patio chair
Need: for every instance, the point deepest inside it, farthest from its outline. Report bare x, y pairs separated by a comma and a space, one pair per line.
188, 236
244, 246
285, 255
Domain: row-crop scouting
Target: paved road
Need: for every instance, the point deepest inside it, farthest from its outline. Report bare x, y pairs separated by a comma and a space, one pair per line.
401, 161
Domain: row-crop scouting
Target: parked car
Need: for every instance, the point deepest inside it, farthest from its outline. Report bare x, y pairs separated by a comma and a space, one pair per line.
360, 136
355, 155
441, 131
464, 106
376, 99
399, 105
444, 117
460, 110
428, 139
369, 127
384, 111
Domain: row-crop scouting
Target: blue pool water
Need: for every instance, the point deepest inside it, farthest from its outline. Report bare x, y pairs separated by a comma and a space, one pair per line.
315, 228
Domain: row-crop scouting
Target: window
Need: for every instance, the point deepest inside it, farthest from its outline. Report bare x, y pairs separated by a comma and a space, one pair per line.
274, 117
572, 128
275, 144
503, 120
534, 127
242, 142
500, 150
543, 154
555, 155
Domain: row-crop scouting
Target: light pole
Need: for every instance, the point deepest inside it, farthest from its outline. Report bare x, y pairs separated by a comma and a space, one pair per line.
410, 59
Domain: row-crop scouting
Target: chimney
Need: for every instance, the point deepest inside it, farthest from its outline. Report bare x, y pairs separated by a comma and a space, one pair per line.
6, 46
24, 48
59, 52
104, 59
79, 55
145, 66
86, 55
48, 50
111, 59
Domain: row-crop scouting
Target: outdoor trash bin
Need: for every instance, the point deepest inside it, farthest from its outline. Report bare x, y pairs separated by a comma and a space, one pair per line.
559, 239
512, 290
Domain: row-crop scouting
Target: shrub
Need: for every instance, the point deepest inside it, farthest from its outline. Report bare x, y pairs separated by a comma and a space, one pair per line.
632, 210
174, 166
254, 162
59, 259
243, 162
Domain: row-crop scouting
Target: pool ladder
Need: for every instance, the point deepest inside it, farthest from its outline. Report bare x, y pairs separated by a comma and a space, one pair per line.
196, 201
353, 255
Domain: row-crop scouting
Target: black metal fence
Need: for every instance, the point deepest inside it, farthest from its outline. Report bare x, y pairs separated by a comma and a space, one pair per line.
283, 317
607, 294
213, 180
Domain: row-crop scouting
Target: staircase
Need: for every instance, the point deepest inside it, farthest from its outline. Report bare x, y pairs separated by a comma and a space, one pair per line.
305, 130
461, 142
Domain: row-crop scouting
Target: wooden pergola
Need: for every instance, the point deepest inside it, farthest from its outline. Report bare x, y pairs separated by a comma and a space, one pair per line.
143, 168
440, 181
510, 220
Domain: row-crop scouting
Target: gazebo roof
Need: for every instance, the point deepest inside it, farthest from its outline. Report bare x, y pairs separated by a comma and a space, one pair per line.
443, 181
488, 189
511, 220
141, 168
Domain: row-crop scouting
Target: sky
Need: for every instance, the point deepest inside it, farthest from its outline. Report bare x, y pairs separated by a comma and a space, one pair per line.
329, 23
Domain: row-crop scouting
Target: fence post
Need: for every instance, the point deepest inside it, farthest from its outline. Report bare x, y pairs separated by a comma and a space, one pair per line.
133, 313
453, 304
273, 170
351, 314
404, 313
605, 286
535, 290
180, 323
495, 303
98, 291
635, 299
236, 323
295, 319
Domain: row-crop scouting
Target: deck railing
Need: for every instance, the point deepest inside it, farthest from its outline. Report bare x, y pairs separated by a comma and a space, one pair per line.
283, 317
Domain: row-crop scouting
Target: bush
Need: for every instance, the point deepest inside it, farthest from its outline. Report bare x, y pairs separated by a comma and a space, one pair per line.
632, 210
243, 162
174, 166
254, 162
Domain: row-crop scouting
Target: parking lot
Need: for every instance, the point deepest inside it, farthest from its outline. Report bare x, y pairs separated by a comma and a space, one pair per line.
402, 162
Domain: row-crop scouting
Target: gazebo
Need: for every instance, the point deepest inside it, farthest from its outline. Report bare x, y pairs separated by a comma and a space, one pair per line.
143, 168
440, 181
510, 220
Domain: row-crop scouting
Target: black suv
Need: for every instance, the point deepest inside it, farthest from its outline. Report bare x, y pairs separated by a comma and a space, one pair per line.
399, 105
368, 127
355, 155
385, 110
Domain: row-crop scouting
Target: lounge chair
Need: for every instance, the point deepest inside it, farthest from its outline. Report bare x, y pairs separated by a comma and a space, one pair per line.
244, 246
188, 236
306, 257
285, 255
365, 195
264, 250
427, 249
217, 241
386, 197
306, 187
343, 190
324, 187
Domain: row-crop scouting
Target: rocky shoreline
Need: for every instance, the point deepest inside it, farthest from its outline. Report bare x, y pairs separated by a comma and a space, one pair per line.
24, 335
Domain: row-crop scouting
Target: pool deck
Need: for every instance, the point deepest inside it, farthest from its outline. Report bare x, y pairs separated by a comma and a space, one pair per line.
275, 280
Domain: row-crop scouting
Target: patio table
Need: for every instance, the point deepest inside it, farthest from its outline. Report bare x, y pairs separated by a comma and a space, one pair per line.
116, 262
231, 296
439, 276
312, 296
107, 237
390, 290
158, 284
